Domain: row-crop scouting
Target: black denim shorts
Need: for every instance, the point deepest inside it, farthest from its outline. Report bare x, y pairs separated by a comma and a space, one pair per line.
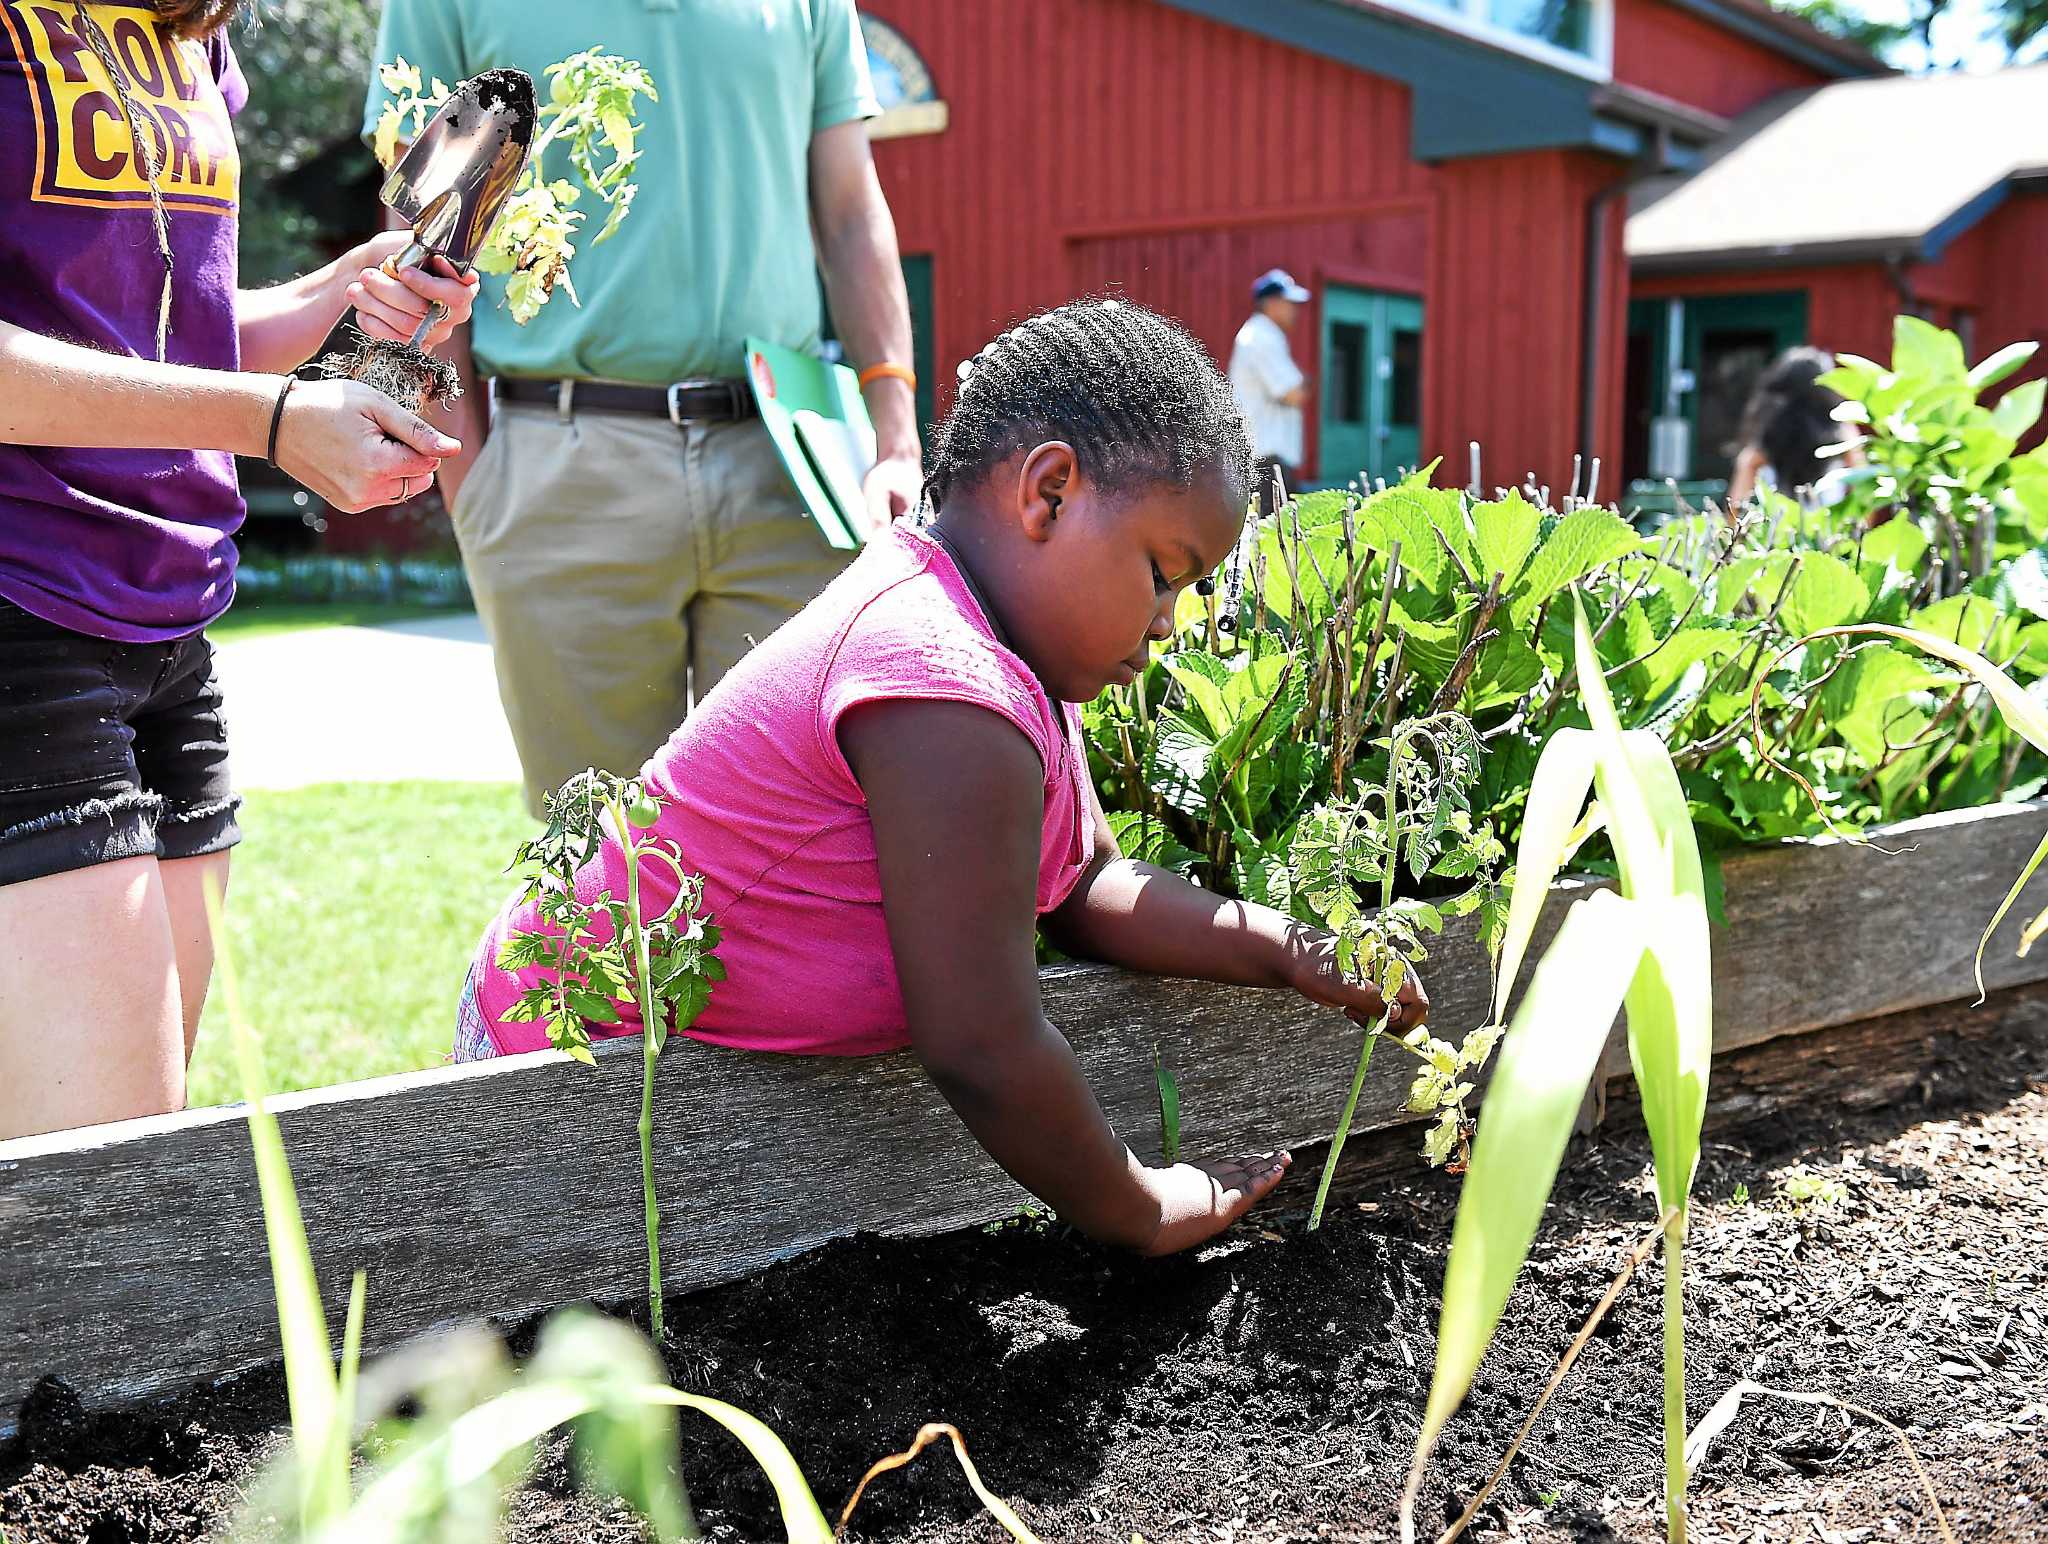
107, 750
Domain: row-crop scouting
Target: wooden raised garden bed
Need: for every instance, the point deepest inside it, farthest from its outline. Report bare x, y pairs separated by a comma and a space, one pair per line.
134, 1257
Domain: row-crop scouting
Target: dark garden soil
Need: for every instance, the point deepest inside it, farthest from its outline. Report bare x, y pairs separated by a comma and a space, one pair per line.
1872, 1223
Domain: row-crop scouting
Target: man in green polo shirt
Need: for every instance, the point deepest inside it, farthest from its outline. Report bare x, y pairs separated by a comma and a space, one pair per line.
627, 527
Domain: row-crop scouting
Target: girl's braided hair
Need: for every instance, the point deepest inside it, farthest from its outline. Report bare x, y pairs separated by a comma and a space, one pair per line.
1136, 396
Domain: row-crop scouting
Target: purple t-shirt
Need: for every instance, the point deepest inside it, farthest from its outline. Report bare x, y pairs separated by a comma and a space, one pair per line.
133, 545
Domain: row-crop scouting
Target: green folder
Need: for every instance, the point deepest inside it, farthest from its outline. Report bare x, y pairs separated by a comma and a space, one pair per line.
820, 426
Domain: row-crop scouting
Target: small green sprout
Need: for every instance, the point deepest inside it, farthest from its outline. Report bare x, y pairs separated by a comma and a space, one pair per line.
1169, 1109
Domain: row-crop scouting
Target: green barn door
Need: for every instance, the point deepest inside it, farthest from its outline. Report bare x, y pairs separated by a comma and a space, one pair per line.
1371, 389
1399, 400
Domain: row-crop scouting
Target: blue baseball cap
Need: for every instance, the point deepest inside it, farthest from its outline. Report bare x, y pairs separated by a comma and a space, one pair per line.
1278, 281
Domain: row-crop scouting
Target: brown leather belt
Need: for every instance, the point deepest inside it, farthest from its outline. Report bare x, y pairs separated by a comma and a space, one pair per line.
693, 401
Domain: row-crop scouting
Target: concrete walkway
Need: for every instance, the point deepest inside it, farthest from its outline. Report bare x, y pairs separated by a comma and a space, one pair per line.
366, 704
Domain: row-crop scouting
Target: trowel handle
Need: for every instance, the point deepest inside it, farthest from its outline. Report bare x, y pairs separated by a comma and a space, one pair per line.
416, 256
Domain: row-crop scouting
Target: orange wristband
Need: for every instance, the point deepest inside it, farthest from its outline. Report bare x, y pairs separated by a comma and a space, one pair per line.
886, 371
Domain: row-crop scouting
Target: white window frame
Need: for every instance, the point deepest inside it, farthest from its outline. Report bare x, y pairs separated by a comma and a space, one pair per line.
1469, 18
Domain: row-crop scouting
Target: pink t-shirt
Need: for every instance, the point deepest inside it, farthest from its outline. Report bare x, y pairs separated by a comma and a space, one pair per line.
755, 793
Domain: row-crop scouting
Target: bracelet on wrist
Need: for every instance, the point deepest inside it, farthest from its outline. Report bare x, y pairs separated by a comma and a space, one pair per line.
888, 371
277, 419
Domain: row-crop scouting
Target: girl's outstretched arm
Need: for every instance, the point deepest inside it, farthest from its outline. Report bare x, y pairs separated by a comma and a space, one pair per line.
956, 795
1128, 913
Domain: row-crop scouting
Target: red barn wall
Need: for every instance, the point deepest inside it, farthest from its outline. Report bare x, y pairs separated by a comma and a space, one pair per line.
1176, 158
1509, 278
1660, 48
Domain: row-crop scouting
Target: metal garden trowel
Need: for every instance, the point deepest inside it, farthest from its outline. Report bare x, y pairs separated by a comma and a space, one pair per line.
449, 185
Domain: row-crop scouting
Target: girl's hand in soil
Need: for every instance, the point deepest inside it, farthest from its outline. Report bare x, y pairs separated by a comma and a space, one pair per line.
1311, 969
355, 447
1197, 1201
392, 305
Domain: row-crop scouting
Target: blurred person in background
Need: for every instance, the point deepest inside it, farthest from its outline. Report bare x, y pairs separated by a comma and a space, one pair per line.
1269, 386
1788, 422
628, 529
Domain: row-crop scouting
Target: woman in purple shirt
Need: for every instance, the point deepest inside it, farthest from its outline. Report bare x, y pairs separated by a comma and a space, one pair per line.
132, 372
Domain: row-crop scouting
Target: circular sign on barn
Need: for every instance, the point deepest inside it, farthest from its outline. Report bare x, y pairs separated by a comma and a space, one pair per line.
903, 86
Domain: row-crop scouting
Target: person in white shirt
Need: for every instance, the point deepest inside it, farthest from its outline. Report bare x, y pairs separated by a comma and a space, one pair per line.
1269, 386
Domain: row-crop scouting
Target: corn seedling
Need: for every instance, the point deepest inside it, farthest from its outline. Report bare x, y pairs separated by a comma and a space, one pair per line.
590, 108
1646, 947
1345, 858
600, 949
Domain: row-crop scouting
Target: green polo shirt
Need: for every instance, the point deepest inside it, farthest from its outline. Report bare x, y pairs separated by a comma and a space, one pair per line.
717, 245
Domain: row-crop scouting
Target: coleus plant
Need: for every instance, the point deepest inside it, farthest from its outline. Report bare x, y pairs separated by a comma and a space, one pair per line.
591, 102
1344, 861
597, 949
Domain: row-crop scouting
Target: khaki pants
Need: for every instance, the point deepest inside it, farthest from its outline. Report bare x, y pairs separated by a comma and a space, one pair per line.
621, 564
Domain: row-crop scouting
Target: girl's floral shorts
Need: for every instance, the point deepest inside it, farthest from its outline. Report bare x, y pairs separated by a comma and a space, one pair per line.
472, 1034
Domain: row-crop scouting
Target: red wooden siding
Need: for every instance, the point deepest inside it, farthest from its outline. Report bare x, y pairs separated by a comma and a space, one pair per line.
1677, 54
1507, 299
1079, 121
1176, 158
1202, 276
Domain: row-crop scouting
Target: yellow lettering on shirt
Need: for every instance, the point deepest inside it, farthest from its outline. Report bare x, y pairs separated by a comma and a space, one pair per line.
85, 153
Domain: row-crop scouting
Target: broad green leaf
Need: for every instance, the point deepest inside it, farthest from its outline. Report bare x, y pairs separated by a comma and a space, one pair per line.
1679, 652
2023, 714
1505, 672
1584, 540
1921, 348
1827, 593
2018, 410
1995, 368
2022, 585
1203, 676
1548, 1054
1325, 507
1504, 534
1966, 621
1670, 1001
1862, 702
1400, 515
1899, 542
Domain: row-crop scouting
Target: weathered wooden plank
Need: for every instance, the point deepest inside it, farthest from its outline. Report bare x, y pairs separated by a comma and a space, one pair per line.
132, 1260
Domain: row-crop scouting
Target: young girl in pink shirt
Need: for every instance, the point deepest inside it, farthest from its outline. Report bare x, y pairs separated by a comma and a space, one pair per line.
889, 798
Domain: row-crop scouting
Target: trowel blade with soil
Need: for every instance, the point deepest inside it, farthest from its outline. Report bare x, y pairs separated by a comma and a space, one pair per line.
455, 177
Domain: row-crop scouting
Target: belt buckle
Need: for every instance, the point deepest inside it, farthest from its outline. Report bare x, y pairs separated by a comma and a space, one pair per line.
734, 396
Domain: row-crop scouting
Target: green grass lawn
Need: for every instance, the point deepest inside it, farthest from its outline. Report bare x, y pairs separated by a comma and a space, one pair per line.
353, 909
245, 621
